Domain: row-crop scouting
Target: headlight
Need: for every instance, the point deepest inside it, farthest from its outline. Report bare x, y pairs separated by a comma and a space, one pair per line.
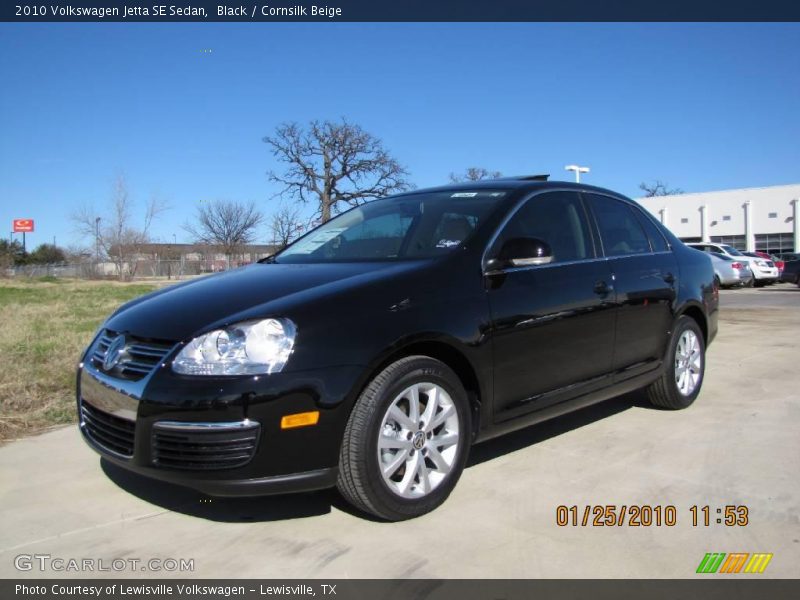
248, 348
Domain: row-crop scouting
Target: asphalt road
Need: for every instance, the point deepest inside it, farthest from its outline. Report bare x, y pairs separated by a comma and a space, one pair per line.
738, 445
781, 295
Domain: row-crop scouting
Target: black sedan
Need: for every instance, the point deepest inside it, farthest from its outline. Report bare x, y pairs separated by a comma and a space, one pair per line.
374, 351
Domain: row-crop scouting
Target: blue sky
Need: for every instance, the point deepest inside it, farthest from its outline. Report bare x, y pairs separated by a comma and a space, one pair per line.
701, 106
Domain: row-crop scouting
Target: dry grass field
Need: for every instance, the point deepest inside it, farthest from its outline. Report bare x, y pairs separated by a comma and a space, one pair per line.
46, 323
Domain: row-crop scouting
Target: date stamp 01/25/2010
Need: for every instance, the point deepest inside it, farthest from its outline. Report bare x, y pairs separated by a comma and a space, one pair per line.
647, 515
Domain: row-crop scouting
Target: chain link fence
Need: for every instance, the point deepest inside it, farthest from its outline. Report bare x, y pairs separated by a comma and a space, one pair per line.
140, 269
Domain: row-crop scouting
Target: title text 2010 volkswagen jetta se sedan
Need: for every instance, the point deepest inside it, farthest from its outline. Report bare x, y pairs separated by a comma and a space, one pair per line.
372, 352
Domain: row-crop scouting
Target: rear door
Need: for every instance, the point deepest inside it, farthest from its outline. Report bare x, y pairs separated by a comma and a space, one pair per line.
645, 274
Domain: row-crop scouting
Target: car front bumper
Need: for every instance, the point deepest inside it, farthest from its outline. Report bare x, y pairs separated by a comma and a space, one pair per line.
124, 423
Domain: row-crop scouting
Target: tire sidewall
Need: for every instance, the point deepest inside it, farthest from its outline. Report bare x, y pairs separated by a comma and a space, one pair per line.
420, 370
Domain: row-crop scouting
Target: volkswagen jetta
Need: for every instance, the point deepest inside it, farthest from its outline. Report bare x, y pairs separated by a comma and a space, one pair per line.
371, 353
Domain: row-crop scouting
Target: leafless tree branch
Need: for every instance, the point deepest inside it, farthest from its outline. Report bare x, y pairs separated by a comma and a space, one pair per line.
333, 164
658, 188
113, 230
226, 223
474, 174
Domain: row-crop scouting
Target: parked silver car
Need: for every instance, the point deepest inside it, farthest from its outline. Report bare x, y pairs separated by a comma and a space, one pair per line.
763, 273
731, 272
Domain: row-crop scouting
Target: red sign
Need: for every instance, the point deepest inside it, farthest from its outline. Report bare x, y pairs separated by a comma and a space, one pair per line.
23, 225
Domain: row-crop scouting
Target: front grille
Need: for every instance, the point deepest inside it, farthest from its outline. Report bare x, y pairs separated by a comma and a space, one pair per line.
137, 357
204, 447
108, 431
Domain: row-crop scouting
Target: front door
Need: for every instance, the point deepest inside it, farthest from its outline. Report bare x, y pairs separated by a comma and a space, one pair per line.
553, 325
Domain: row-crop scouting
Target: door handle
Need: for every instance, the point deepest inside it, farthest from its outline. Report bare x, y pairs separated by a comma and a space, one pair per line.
668, 278
602, 288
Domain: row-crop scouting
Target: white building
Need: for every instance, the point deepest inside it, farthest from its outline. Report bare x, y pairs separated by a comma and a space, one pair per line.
765, 219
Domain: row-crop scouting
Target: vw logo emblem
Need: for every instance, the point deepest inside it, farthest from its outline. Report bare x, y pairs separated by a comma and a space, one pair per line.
418, 440
113, 353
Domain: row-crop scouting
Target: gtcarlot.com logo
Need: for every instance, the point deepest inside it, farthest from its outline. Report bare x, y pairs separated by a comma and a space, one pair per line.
735, 562
47, 562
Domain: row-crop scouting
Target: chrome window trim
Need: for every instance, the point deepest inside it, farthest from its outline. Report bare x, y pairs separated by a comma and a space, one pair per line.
584, 260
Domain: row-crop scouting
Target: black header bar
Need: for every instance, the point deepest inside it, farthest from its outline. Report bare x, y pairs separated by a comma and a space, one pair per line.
400, 10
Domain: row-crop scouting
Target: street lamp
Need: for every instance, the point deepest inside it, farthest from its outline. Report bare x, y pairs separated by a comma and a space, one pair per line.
578, 170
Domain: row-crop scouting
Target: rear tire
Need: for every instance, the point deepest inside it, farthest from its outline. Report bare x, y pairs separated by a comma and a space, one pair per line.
684, 370
407, 440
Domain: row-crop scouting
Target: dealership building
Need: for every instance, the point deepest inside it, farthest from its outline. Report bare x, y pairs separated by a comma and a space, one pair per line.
764, 219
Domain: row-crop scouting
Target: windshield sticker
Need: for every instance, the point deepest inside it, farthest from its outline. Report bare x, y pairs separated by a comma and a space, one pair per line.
447, 243
464, 195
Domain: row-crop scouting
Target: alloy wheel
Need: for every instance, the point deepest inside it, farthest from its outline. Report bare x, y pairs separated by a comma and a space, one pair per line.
418, 440
688, 362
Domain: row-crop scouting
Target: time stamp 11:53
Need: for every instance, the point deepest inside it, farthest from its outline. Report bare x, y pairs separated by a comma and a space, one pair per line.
646, 515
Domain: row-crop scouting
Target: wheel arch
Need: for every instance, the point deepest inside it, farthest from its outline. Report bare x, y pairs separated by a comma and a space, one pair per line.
695, 311
440, 349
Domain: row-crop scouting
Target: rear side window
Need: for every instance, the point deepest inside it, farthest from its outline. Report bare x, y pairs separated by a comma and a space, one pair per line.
620, 230
657, 241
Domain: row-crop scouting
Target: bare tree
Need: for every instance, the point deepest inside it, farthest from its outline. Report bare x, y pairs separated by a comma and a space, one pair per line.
226, 223
474, 174
334, 164
286, 226
658, 188
114, 233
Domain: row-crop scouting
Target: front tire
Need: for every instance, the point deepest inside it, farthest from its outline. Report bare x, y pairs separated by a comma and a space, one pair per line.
407, 440
685, 367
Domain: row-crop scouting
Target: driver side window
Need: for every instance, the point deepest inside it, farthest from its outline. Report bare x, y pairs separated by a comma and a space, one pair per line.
556, 218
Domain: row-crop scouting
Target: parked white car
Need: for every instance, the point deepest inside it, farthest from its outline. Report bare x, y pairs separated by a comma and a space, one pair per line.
763, 271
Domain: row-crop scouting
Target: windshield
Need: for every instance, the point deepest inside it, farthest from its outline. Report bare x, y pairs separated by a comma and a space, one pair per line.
732, 251
403, 227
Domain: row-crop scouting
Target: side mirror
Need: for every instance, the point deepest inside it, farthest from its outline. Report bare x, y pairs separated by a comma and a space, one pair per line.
521, 252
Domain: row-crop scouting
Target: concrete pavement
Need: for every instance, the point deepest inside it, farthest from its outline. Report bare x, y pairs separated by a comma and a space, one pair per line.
738, 445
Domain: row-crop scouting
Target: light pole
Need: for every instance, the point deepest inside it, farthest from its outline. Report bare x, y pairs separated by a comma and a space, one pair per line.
578, 170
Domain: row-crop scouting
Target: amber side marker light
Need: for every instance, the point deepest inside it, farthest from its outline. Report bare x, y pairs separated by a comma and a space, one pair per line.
300, 420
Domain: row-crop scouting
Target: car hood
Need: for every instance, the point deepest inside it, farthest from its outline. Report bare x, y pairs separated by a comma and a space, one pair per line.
182, 311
